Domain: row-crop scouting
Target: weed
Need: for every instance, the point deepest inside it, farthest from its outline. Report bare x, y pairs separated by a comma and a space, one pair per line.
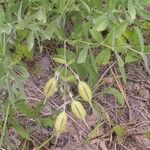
102, 30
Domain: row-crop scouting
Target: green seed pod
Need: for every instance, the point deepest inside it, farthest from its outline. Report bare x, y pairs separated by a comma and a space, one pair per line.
78, 109
50, 87
61, 122
85, 91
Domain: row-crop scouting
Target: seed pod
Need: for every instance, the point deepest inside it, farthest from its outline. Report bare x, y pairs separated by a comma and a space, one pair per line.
85, 91
61, 122
78, 109
51, 87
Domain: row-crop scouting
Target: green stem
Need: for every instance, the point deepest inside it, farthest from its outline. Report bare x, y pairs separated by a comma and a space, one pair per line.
65, 52
4, 126
24, 145
45, 101
134, 50
45, 142
76, 75
65, 57
4, 44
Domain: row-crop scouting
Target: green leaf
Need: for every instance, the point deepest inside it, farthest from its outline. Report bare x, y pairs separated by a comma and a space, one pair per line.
120, 29
96, 35
21, 131
78, 32
8, 28
147, 134
139, 33
60, 60
131, 9
86, 6
46, 34
47, 122
93, 62
70, 61
11, 94
101, 23
41, 15
97, 3
117, 94
147, 49
94, 133
121, 66
22, 71
132, 37
121, 45
101, 112
51, 27
145, 14
89, 72
120, 132
71, 56
39, 107
86, 28
19, 77
21, 34
2, 48
75, 66
24, 108
131, 57
19, 12
83, 55
70, 78
66, 75
103, 57
2, 72
111, 5
2, 82
30, 41
145, 2
146, 25
21, 52
60, 33
34, 27
2, 16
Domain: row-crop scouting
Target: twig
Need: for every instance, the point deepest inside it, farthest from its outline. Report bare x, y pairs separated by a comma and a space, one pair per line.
139, 98
34, 138
120, 86
96, 86
103, 145
141, 113
124, 147
44, 143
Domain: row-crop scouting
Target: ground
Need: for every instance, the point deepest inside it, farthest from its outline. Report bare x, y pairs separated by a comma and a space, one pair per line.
134, 117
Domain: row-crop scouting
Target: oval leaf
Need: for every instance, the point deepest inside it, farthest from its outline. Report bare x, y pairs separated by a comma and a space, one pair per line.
117, 94
103, 57
101, 23
82, 55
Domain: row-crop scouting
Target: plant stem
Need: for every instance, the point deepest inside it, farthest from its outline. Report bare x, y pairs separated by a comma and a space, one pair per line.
45, 142
65, 57
4, 126
76, 75
45, 101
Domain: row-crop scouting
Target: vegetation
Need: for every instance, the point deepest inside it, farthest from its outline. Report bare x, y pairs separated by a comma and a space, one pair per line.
90, 34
